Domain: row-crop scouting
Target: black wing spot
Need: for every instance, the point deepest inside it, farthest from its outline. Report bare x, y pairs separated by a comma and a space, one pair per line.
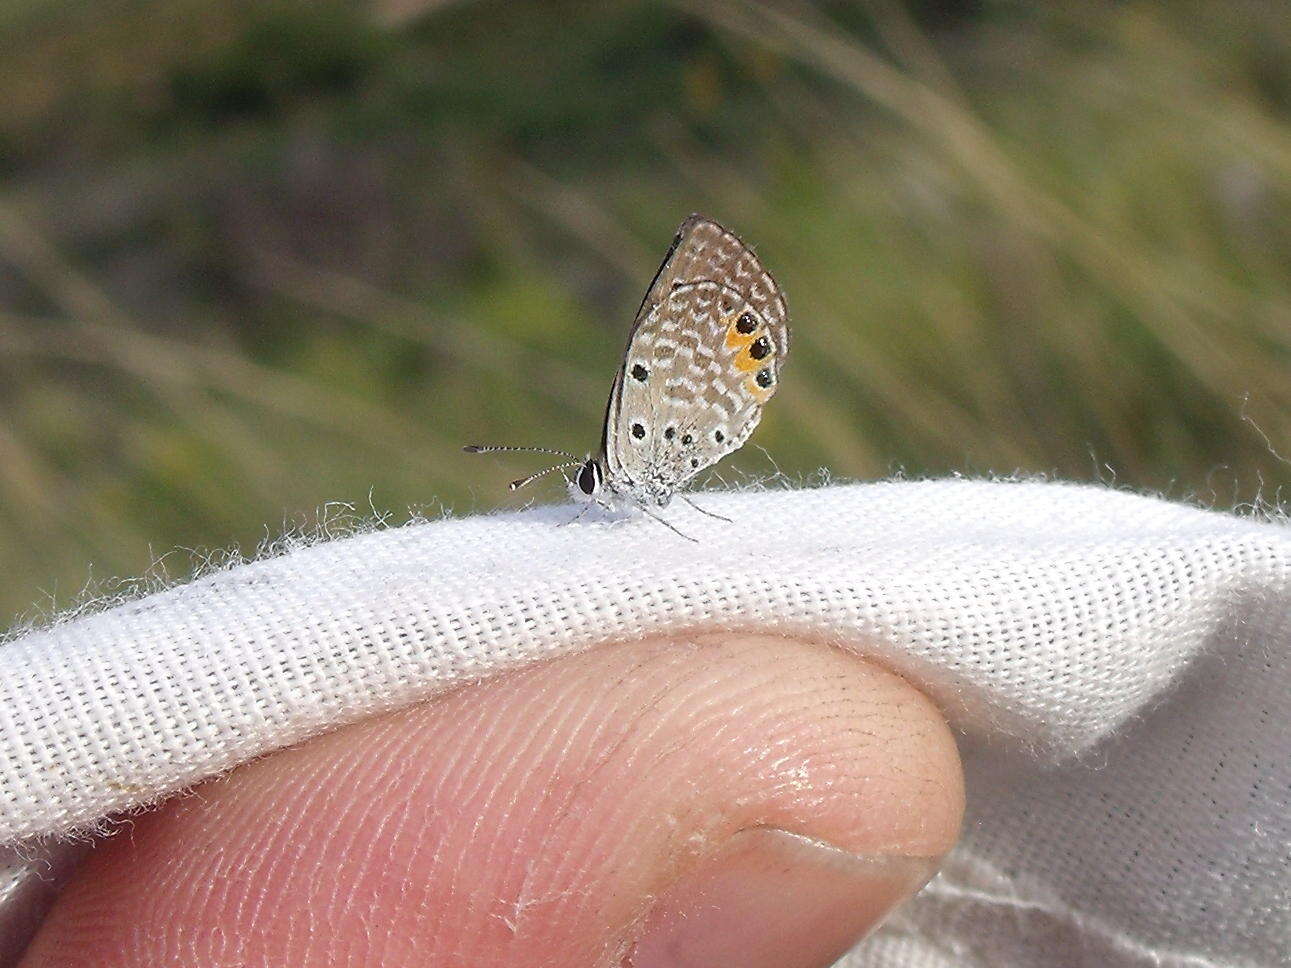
694, 462
639, 372
760, 348
687, 440
718, 436
746, 323
669, 433
638, 431
765, 379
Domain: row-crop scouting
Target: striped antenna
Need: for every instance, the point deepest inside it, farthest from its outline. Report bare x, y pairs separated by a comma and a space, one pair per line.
516, 485
496, 448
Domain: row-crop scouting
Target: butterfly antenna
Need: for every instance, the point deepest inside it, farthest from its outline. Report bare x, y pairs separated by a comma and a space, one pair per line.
516, 485
496, 448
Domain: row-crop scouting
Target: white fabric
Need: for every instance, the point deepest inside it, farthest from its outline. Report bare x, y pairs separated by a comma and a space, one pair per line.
1119, 667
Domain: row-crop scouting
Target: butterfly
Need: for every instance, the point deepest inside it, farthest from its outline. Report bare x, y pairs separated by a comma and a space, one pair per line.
702, 360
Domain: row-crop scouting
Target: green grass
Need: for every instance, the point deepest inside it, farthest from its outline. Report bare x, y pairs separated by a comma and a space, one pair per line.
256, 258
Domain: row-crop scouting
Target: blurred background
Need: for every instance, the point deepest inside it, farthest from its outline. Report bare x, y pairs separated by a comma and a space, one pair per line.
267, 265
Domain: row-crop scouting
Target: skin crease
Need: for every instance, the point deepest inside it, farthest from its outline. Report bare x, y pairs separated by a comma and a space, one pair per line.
528, 820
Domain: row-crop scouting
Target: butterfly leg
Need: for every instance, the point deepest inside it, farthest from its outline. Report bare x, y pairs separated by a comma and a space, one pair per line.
702, 511
577, 517
670, 527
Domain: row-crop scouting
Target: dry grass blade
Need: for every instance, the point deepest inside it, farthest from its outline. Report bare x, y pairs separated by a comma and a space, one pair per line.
1166, 300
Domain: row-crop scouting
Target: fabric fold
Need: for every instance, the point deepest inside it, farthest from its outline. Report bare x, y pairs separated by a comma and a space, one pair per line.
1052, 623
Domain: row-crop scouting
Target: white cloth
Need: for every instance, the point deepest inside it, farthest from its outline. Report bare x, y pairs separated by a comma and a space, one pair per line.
1119, 667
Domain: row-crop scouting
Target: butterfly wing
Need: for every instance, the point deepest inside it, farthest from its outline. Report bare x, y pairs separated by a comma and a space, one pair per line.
702, 360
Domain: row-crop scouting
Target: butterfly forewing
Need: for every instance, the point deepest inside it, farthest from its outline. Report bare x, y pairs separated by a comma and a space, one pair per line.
703, 358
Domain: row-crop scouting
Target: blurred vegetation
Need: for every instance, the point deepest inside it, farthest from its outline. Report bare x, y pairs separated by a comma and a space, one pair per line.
257, 257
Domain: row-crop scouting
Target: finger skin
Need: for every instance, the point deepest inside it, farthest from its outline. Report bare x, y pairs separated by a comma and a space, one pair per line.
528, 820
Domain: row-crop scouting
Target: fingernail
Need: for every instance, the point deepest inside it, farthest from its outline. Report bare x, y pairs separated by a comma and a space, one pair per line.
771, 899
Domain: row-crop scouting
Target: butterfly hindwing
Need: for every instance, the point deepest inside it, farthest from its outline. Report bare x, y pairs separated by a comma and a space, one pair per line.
703, 359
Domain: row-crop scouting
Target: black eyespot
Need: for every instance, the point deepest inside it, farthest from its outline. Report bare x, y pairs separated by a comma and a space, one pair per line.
694, 462
687, 440
746, 323
760, 348
669, 433
638, 431
639, 372
764, 378
587, 478
718, 436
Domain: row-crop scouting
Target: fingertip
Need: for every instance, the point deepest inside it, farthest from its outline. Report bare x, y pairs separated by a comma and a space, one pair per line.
536, 818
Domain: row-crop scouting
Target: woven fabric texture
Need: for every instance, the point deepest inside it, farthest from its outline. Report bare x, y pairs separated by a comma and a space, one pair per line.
1119, 668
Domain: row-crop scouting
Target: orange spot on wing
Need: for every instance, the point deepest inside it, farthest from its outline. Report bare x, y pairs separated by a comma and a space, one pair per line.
744, 361
740, 343
735, 340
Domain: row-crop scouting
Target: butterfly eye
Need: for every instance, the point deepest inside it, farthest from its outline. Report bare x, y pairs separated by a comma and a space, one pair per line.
669, 433
764, 378
589, 478
638, 431
746, 323
639, 372
687, 440
718, 436
760, 348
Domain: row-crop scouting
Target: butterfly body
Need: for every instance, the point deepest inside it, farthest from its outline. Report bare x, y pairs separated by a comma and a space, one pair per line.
702, 359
